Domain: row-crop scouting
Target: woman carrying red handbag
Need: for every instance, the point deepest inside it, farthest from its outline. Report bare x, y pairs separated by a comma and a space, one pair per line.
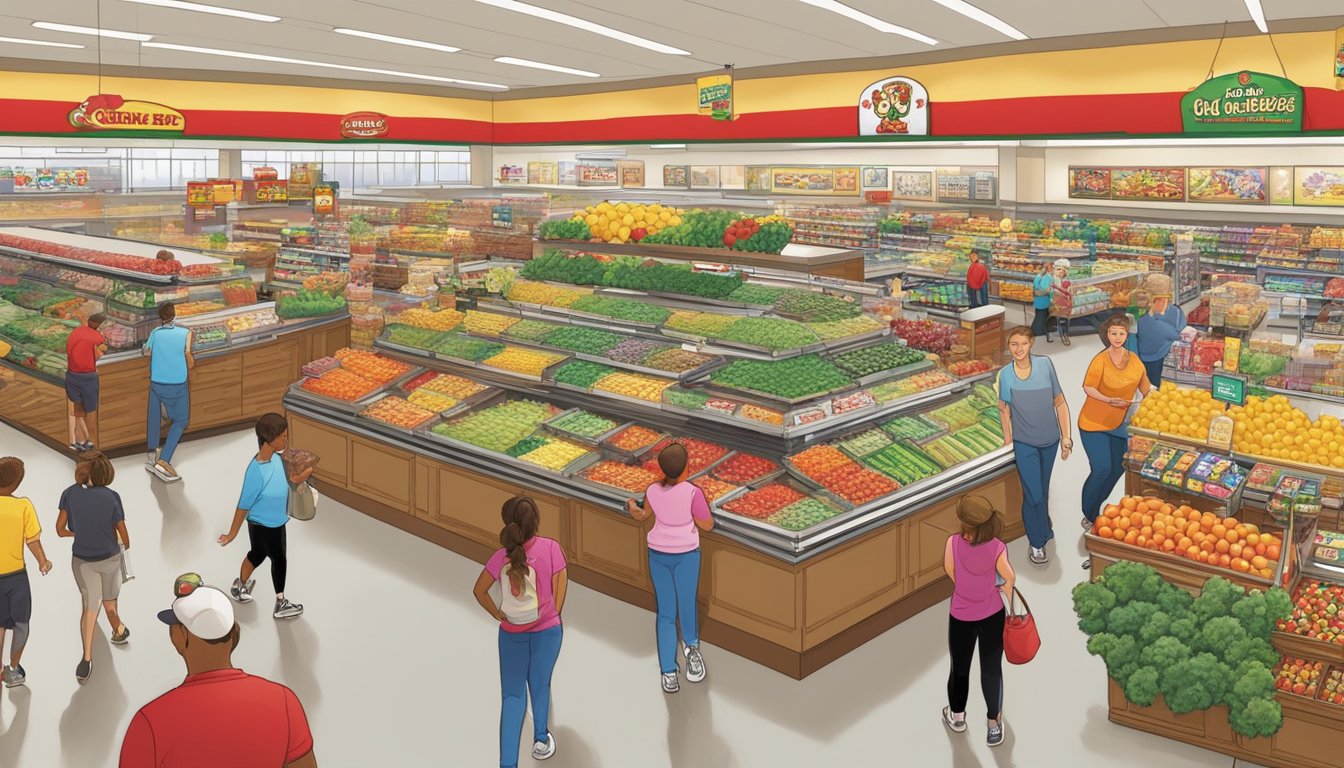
977, 562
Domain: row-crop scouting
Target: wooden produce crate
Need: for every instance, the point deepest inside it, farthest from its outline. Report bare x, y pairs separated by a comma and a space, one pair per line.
1189, 575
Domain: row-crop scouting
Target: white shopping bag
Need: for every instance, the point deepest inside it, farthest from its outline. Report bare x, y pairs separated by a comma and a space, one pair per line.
126, 574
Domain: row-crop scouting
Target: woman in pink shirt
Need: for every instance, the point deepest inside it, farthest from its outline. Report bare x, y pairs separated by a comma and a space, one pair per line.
680, 512
977, 562
530, 572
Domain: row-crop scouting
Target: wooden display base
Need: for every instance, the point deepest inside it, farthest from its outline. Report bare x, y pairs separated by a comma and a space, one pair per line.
793, 618
228, 390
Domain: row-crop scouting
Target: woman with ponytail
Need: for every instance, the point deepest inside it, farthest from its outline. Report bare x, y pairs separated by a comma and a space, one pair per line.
680, 512
530, 573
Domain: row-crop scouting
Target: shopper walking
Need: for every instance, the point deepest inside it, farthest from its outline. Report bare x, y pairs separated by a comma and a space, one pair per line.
91, 513
1159, 328
170, 358
1042, 290
1063, 301
680, 511
220, 716
18, 527
264, 504
1111, 382
977, 562
83, 347
1036, 425
977, 282
530, 573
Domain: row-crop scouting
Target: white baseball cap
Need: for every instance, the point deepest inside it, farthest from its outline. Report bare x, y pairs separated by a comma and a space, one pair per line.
205, 611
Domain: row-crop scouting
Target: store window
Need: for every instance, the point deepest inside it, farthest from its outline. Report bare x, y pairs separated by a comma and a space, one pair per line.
118, 169
359, 169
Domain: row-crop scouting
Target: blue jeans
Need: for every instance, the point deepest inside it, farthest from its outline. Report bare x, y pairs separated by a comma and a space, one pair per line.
676, 578
1106, 456
1034, 466
174, 399
526, 660
1154, 369
978, 297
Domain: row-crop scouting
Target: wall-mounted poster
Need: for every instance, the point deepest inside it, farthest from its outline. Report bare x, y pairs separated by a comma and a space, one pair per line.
539, 172
1161, 184
1318, 186
598, 173
912, 185
757, 178
732, 176
967, 185
846, 181
677, 176
1281, 186
1090, 183
569, 173
1228, 185
894, 106
704, 177
632, 173
876, 177
512, 174
802, 181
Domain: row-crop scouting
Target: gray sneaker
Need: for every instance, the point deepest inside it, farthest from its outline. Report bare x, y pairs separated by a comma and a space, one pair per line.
1038, 556
84, 669
671, 683
542, 750
151, 458
14, 676
695, 664
241, 592
995, 735
286, 610
957, 724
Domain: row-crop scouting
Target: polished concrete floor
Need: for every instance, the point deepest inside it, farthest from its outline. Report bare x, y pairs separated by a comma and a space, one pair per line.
397, 665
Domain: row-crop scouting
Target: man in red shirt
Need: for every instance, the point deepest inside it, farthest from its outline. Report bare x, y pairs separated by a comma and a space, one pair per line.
220, 717
977, 282
83, 347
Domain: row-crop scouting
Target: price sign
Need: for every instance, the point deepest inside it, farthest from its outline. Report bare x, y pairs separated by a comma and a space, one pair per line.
1227, 388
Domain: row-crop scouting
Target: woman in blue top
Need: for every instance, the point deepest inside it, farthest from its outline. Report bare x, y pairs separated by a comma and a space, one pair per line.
264, 503
1042, 290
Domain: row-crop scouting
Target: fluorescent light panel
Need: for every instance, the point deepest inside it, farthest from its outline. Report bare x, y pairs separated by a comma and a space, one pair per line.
1257, 15
871, 21
181, 5
667, 146
587, 26
47, 43
542, 65
991, 21
323, 64
396, 40
72, 29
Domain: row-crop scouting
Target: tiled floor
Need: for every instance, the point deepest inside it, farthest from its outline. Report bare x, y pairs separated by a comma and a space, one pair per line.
397, 665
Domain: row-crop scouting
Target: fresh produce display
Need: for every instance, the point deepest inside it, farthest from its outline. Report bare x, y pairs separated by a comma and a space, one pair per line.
690, 399
712, 488
432, 401
212, 336
498, 427
927, 335
609, 222
819, 459
634, 351
761, 414
621, 309
1334, 687
580, 339
89, 255
372, 366
770, 333
1299, 676
910, 385
412, 336
440, 320
865, 361
636, 385
634, 439
962, 413
529, 330
239, 293
531, 362
962, 445
795, 377
583, 424
1179, 411
527, 445
341, 384
1273, 427
632, 273
320, 366
816, 307
725, 229
488, 323
764, 502
1225, 542
307, 303
912, 428
866, 442
757, 295
903, 462
35, 296
399, 412
582, 374
631, 479
804, 514
555, 455
447, 384
330, 283
464, 348
564, 229
248, 321
1318, 612
843, 329
527, 292
701, 454
703, 324
744, 469
968, 368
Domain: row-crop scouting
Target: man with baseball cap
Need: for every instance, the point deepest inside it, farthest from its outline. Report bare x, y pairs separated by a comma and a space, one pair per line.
196, 725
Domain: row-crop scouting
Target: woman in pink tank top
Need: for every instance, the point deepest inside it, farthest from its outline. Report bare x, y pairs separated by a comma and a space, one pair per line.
977, 562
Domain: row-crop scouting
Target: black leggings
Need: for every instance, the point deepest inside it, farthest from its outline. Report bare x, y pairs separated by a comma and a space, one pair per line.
962, 637
269, 542
1040, 322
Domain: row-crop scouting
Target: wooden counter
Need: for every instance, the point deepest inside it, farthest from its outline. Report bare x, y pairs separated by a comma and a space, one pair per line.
228, 389
794, 618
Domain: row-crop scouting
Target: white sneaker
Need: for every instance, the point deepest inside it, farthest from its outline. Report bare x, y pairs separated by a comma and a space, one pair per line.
1038, 556
542, 750
164, 471
151, 458
695, 664
671, 683
956, 724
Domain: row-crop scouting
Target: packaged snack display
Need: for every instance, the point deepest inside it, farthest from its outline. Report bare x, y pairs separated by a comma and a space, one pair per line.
341, 384
371, 366
398, 412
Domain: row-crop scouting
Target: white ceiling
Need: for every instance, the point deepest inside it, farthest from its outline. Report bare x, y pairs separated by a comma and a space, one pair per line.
747, 33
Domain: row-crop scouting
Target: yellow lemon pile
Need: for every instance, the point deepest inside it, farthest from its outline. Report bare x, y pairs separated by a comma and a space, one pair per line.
1272, 427
626, 222
1178, 411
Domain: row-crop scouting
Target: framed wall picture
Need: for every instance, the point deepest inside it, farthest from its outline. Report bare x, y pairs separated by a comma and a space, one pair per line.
846, 181
913, 185
1228, 185
757, 178
1313, 185
543, 173
704, 177
632, 173
1281, 186
876, 177
598, 173
802, 181
1160, 184
732, 177
677, 176
1090, 183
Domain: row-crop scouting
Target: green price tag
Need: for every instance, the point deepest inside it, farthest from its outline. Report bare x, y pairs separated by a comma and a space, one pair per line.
1229, 389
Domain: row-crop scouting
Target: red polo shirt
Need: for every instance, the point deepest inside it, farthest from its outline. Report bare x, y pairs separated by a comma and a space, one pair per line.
79, 349
977, 275
221, 719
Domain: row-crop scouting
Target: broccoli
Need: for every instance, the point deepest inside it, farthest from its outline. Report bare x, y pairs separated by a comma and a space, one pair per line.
1131, 582
1092, 601
1184, 629
1173, 600
1259, 612
1142, 688
1259, 717
1118, 652
1251, 680
1219, 634
1195, 683
1217, 599
1129, 619
1164, 653
1157, 626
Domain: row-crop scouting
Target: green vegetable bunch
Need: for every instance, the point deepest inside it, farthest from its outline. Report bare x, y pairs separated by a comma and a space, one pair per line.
579, 339
581, 373
622, 309
306, 303
1195, 652
630, 273
815, 307
792, 378
565, 229
770, 333
878, 357
559, 267
757, 295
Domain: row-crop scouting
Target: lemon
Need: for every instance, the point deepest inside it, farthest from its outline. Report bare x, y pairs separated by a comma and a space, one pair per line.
664, 216
624, 232
622, 208
628, 220
675, 221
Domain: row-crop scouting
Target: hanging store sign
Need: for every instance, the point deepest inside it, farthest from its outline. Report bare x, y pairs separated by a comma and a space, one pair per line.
715, 96
109, 112
1245, 102
364, 125
894, 106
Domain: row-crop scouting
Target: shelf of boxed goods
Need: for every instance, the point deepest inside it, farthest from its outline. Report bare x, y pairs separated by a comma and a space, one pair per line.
833, 226
295, 263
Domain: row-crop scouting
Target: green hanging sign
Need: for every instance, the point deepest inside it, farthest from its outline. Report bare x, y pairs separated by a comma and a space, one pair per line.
1245, 102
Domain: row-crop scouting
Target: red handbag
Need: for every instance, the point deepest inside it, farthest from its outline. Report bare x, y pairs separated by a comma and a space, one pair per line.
1021, 641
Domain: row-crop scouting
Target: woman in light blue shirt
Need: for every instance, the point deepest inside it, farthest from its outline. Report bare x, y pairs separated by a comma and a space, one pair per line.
1042, 289
264, 503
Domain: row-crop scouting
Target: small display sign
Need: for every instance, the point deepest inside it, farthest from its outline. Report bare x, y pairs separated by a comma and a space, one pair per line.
1229, 388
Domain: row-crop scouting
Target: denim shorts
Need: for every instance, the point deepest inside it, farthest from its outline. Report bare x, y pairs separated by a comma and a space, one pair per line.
82, 390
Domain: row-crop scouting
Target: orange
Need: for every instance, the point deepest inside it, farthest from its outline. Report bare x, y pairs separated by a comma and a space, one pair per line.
1147, 520
1136, 520
1261, 548
1218, 531
1118, 534
1272, 552
1141, 541
1240, 565
1166, 509
1221, 546
1192, 529
1132, 536
1203, 557
1122, 524
1184, 543
1259, 563
1112, 510
1129, 503
1206, 546
1146, 530
1231, 522
1104, 532
1168, 546
1159, 539
1223, 560
1193, 552
1235, 550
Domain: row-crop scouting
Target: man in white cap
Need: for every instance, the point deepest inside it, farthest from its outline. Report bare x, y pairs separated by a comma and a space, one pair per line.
196, 725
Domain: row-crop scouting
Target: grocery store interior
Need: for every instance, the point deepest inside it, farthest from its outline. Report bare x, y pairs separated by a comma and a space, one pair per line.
481, 249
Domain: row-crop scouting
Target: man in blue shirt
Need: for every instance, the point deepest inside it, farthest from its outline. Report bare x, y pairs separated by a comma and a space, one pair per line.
1159, 329
169, 350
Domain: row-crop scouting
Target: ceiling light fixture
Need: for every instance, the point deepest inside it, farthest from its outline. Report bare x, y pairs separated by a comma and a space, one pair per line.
587, 26
396, 40
991, 21
48, 43
92, 31
871, 21
323, 64
1257, 15
542, 65
667, 146
181, 5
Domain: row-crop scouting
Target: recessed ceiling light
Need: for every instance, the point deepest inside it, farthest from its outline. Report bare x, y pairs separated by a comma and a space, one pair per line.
323, 64
397, 40
541, 65
185, 6
994, 22
92, 31
871, 21
1257, 15
587, 26
48, 43
667, 146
